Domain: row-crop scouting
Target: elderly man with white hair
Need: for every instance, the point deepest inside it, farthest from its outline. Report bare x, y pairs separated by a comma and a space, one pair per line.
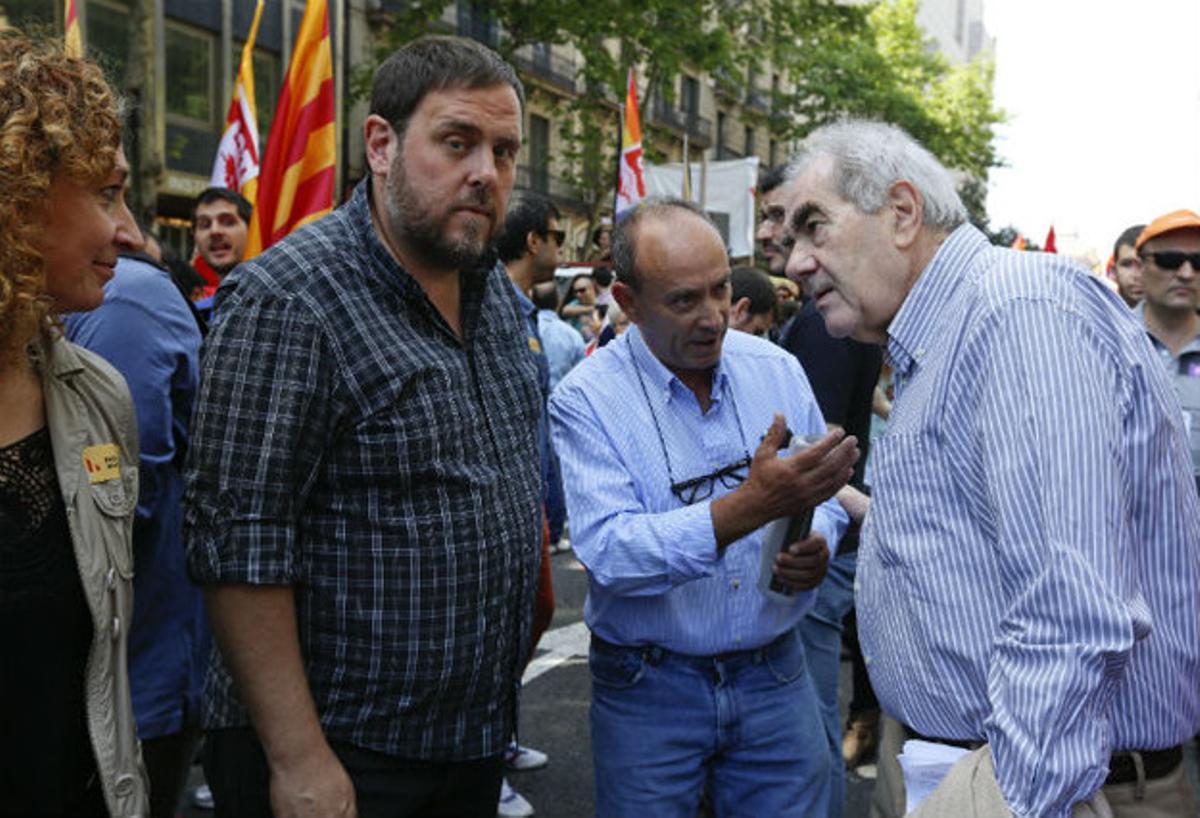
1029, 572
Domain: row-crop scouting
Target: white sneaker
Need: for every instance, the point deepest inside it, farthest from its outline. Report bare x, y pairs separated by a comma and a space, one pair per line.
512, 804
202, 797
518, 758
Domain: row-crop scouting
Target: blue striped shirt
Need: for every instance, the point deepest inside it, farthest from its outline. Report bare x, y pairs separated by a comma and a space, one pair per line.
654, 576
1030, 568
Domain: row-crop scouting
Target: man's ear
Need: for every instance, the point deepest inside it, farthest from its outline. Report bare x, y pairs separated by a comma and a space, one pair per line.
626, 299
532, 242
739, 314
378, 141
907, 208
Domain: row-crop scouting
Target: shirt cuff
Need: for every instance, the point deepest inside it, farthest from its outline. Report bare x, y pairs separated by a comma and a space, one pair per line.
689, 542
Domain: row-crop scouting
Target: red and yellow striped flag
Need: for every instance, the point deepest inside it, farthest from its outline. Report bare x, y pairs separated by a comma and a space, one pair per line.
295, 185
72, 37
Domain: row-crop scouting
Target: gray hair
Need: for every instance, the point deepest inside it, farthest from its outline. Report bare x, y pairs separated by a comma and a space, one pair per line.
869, 157
625, 236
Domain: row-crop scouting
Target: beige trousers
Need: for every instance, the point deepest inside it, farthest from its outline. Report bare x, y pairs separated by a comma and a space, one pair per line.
970, 790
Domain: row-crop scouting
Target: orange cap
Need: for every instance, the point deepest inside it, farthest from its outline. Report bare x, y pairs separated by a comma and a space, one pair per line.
1175, 220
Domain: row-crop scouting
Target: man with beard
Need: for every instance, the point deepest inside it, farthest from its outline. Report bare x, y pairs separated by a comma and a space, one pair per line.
363, 501
699, 680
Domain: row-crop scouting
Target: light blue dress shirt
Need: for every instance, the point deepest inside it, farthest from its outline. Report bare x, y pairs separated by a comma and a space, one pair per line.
1029, 571
562, 343
654, 576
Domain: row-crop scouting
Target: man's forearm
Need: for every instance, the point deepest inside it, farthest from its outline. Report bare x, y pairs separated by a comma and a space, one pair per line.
255, 628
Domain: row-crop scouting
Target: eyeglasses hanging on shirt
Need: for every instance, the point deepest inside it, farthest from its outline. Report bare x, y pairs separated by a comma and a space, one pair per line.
698, 489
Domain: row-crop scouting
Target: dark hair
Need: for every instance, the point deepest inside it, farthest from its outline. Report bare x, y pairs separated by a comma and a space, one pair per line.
771, 178
435, 63
624, 243
183, 274
1128, 237
603, 274
529, 214
545, 295
753, 283
224, 194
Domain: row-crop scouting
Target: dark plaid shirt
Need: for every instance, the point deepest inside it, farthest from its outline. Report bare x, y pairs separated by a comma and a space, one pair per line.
347, 444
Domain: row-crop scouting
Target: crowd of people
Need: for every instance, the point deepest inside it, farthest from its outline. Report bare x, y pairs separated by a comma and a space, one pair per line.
303, 526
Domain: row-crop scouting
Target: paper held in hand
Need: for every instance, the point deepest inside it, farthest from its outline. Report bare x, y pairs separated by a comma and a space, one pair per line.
925, 764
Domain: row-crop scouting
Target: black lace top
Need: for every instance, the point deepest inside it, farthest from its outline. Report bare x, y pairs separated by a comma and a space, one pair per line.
46, 760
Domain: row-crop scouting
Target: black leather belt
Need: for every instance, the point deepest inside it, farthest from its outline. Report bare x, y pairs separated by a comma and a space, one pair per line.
966, 744
1122, 766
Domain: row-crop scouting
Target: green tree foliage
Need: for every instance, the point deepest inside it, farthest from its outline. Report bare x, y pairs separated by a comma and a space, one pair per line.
833, 60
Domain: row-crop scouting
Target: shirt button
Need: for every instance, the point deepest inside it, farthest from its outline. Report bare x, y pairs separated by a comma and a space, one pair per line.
123, 785
857, 586
110, 579
866, 660
737, 583
116, 628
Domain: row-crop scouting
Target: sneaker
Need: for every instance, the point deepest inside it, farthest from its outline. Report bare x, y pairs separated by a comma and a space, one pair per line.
521, 759
202, 797
512, 804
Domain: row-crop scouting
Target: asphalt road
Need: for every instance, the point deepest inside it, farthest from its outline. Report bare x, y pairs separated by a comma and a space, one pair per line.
554, 715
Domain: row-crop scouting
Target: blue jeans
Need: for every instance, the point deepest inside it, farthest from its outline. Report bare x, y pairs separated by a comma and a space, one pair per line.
668, 727
821, 632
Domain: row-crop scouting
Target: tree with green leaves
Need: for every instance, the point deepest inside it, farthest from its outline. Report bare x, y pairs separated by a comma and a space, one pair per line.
833, 60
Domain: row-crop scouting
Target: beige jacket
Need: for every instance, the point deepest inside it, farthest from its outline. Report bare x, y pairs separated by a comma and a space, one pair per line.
94, 433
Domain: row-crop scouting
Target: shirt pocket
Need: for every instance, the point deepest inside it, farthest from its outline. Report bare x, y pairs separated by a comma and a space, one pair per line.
116, 501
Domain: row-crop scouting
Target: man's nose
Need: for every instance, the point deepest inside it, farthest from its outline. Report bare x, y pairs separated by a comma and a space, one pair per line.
800, 263
483, 169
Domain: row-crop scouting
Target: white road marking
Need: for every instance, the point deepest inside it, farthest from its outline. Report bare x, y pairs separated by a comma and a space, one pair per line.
558, 646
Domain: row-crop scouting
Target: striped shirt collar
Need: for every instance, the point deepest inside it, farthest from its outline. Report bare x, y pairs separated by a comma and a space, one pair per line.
660, 380
916, 322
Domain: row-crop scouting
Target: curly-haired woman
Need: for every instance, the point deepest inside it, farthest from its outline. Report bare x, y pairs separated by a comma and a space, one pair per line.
68, 447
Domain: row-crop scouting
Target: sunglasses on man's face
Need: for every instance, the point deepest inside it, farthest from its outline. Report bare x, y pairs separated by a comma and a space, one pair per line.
559, 236
1173, 259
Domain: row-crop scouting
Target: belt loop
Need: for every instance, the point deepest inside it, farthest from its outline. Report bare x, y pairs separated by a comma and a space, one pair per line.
1139, 766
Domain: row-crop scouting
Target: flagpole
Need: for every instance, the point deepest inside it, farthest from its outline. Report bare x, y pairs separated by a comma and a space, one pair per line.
687, 169
620, 150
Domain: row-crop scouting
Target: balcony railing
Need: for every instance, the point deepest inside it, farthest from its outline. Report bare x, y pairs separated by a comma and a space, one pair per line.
697, 127
758, 100
557, 70
540, 180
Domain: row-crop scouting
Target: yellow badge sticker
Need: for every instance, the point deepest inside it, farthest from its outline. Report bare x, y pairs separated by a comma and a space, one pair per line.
535, 344
102, 463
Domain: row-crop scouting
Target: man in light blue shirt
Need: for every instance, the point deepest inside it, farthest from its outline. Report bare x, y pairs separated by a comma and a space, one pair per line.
699, 679
561, 342
1029, 569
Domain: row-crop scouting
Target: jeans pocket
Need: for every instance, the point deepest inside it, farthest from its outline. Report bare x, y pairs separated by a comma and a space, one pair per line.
786, 660
616, 669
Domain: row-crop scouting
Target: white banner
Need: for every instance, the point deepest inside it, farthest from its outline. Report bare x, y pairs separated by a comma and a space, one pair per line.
728, 191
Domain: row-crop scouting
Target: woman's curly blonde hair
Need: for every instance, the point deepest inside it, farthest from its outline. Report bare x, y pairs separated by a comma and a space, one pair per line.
58, 115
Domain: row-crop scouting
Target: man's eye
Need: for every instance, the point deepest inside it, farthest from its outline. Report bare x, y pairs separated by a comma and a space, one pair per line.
454, 143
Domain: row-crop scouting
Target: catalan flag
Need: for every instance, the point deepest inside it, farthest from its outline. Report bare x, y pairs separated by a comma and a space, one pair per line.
236, 166
631, 180
73, 37
295, 186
